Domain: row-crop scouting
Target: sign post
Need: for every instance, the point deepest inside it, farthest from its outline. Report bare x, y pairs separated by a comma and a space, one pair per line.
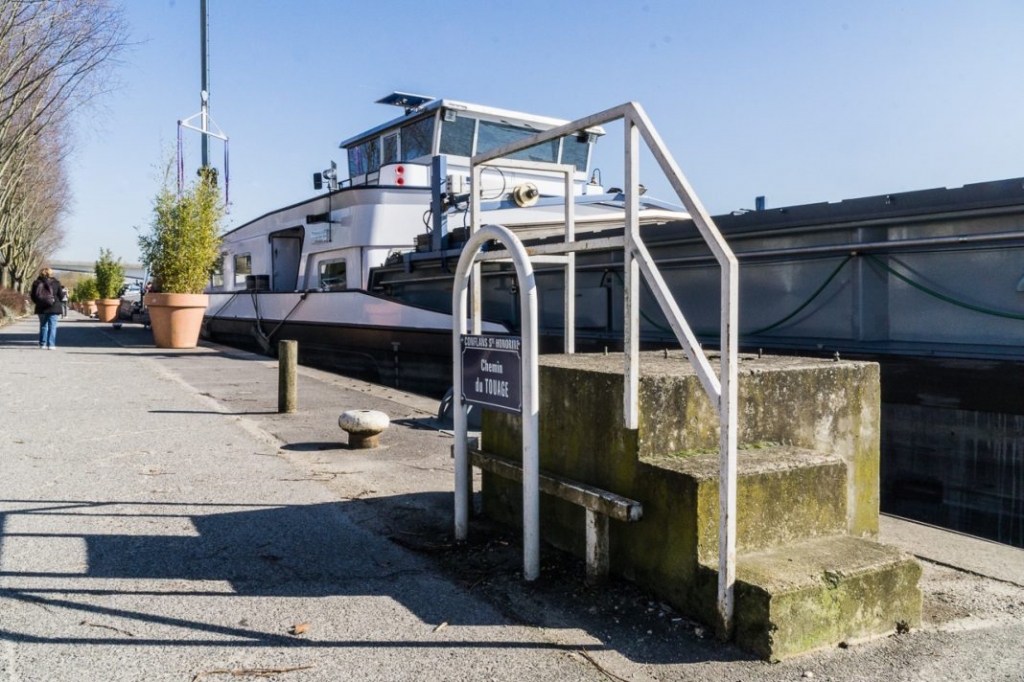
498, 372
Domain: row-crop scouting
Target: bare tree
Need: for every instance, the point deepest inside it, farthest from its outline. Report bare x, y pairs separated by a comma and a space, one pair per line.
31, 206
54, 59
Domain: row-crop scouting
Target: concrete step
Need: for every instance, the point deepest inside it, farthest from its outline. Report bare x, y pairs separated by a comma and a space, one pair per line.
823, 592
784, 495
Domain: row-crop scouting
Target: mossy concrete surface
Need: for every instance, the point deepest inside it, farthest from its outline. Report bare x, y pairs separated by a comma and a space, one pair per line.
817, 404
782, 494
823, 592
808, 465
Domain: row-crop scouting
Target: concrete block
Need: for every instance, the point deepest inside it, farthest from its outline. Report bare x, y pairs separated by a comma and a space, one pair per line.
824, 592
818, 405
808, 469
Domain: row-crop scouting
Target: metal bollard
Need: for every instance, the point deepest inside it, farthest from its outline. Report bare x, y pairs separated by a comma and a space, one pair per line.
287, 362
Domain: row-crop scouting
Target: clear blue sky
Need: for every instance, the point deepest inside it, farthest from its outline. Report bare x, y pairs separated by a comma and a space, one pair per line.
800, 101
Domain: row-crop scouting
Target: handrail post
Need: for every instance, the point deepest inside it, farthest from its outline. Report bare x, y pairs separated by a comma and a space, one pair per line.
463, 474
728, 415
570, 265
474, 227
631, 277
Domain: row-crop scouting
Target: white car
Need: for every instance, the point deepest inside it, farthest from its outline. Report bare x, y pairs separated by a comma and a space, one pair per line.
131, 291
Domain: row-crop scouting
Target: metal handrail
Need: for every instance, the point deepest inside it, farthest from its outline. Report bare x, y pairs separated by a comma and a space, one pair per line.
722, 389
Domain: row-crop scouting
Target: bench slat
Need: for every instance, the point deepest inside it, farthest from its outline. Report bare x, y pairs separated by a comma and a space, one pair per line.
600, 501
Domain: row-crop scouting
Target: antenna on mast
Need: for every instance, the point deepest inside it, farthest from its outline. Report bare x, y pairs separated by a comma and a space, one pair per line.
207, 127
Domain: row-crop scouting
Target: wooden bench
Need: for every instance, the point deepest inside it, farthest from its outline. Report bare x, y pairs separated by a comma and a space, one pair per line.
600, 505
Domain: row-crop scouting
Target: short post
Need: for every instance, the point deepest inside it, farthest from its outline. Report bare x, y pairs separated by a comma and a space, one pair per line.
597, 548
287, 363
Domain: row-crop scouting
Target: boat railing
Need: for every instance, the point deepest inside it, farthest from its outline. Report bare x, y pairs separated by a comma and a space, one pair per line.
637, 261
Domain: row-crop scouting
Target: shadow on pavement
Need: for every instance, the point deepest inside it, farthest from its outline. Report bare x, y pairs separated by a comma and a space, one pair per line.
84, 335
324, 550
19, 340
315, 446
226, 414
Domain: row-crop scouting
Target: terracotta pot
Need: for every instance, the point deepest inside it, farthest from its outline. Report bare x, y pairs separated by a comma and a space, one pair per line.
176, 318
106, 309
90, 308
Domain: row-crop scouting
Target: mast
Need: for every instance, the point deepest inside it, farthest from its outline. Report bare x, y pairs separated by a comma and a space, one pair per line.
204, 44
206, 126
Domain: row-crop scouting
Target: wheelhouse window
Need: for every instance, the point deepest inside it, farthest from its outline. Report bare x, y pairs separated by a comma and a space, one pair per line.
390, 148
364, 158
576, 150
243, 267
461, 136
417, 139
457, 136
332, 276
492, 135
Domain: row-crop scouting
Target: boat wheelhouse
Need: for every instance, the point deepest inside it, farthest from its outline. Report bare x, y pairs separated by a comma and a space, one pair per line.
410, 176
304, 272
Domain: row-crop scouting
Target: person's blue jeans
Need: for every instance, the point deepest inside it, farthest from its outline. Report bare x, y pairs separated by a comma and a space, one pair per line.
48, 330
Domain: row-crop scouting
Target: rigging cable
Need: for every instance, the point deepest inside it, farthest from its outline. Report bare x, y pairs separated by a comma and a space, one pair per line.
803, 305
885, 266
226, 304
943, 297
504, 184
817, 292
258, 326
207, 319
807, 302
785, 319
651, 321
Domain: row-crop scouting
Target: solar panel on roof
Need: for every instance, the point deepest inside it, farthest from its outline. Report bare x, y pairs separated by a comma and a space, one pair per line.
406, 100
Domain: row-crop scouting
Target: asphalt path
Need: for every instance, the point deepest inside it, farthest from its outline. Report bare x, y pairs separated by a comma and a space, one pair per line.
160, 521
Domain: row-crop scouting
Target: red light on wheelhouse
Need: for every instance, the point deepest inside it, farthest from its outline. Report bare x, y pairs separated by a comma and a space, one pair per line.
400, 181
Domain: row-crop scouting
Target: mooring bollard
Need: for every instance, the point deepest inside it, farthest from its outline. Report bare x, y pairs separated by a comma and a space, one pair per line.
287, 362
363, 427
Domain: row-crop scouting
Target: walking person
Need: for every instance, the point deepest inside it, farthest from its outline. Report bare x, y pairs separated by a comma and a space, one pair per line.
46, 294
63, 303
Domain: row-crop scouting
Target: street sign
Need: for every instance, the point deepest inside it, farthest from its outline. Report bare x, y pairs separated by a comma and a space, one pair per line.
492, 371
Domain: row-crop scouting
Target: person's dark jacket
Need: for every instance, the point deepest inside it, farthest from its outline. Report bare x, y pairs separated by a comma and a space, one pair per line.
56, 288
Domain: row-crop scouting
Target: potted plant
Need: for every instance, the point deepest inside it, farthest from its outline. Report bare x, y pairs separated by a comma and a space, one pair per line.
180, 250
109, 280
87, 293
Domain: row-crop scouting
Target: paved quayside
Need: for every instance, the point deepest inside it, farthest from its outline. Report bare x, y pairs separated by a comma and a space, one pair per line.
160, 521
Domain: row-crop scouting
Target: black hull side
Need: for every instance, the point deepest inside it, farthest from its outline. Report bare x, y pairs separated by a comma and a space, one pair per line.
417, 361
